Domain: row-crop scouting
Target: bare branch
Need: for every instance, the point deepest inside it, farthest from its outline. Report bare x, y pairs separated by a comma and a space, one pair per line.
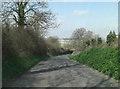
15, 19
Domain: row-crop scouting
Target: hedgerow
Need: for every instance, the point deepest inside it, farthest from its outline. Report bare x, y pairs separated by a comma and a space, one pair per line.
102, 59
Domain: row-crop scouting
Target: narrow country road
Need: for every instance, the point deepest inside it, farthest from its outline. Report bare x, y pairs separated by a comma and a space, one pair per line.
61, 72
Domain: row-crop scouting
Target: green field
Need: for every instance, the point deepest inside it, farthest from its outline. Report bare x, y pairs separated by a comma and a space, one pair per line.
102, 59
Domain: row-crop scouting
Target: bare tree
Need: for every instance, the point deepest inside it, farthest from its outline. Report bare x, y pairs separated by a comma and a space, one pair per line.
79, 33
28, 14
88, 35
80, 36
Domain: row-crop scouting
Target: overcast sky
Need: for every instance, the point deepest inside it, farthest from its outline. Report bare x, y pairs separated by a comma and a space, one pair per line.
99, 17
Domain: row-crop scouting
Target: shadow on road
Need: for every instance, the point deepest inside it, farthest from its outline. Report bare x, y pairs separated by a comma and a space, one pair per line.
53, 69
80, 72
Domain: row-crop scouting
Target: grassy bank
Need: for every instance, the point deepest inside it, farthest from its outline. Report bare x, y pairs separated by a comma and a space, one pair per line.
14, 67
102, 59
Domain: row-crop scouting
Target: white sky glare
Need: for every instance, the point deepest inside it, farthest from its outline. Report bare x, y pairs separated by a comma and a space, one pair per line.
59, 21
80, 12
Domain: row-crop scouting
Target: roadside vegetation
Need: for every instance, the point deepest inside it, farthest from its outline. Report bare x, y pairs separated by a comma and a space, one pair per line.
24, 43
102, 59
95, 52
15, 66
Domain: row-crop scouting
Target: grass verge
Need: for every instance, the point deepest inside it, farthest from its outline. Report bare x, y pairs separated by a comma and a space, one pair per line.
102, 59
14, 67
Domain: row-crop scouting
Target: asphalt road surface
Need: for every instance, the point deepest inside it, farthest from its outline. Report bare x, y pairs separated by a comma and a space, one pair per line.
62, 72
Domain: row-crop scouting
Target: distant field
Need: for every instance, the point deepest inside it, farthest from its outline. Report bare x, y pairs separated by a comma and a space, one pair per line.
102, 59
